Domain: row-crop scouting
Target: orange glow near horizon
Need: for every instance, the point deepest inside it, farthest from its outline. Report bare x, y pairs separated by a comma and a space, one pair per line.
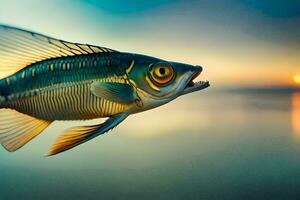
296, 114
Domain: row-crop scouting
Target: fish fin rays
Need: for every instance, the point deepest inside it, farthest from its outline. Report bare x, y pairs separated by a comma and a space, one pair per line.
117, 92
17, 129
78, 135
20, 48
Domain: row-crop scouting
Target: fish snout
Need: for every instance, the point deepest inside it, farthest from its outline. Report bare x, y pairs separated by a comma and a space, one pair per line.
198, 68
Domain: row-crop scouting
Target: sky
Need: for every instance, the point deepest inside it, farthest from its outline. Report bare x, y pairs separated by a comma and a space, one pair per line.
238, 42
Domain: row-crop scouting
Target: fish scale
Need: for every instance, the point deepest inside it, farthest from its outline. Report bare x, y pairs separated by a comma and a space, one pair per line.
82, 67
70, 85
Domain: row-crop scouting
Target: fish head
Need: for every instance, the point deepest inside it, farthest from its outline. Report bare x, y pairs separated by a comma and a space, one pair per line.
159, 82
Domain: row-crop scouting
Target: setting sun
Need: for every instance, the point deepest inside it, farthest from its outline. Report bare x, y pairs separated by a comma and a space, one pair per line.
297, 79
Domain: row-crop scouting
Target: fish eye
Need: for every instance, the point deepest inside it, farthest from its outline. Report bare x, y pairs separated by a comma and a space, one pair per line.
161, 74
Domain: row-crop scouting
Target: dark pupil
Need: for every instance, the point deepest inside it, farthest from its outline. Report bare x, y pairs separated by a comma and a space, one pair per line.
162, 71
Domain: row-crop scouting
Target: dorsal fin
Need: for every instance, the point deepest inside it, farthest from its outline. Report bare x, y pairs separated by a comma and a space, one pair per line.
20, 48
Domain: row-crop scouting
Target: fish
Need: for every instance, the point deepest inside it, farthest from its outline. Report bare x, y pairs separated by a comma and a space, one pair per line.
56, 80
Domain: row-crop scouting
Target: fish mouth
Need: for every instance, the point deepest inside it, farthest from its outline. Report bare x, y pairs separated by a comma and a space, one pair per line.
193, 86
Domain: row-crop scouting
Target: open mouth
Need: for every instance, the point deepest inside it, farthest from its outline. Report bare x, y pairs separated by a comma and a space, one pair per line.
192, 85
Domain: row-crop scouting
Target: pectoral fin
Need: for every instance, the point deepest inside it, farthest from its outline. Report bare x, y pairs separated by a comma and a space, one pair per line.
118, 92
78, 135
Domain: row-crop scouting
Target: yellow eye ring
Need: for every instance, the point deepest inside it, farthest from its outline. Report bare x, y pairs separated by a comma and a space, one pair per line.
161, 74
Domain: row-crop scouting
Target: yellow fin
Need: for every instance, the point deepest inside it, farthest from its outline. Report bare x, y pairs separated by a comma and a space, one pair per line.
17, 129
78, 135
71, 138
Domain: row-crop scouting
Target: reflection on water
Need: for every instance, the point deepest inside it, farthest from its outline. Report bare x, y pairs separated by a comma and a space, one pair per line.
296, 114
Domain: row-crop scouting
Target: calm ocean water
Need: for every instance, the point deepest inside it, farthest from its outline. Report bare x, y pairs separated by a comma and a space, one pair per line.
201, 146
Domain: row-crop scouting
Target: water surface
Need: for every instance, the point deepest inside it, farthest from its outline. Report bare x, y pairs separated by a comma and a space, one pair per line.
201, 146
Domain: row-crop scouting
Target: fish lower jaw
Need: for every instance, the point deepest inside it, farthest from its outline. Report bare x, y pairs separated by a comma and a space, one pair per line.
195, 86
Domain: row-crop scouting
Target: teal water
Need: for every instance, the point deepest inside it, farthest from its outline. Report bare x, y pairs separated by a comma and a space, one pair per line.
201, 146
